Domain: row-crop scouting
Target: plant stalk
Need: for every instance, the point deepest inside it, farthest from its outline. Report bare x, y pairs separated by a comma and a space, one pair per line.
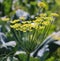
28, 57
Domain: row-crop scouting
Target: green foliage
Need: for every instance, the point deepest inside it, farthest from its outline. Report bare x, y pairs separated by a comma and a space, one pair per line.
24, 57
7, 6
51, 59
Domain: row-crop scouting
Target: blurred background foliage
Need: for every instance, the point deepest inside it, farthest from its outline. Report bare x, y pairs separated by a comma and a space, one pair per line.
31, 7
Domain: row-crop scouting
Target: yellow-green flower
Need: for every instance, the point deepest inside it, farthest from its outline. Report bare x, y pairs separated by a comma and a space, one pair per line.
38, 20
5, 19
15, 21
42, 4
41, 27
54, 14
30, 25
48, 18
23, 22
15, 26
46, 23
43, 15
34, 25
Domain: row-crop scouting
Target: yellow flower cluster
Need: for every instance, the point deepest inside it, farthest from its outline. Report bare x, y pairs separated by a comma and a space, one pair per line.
42, 4
15, 21
23, 27
38, 20
45, 23
5, 19
54, 14
38, 23
15, 26
43, 15
48, 18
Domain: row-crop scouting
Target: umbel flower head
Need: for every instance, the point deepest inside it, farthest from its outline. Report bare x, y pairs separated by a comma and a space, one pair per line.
38, 23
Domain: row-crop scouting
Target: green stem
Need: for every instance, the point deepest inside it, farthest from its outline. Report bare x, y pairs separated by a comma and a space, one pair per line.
28, 57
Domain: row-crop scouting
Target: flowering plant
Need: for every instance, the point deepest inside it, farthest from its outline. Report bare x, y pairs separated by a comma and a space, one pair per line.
30, 34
